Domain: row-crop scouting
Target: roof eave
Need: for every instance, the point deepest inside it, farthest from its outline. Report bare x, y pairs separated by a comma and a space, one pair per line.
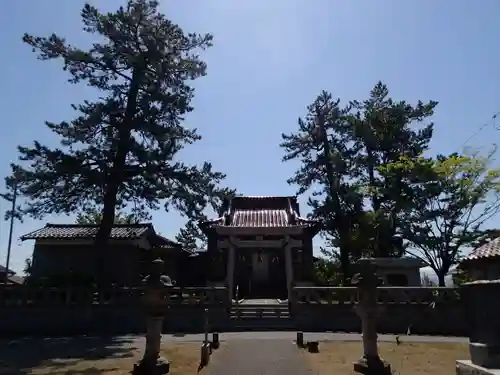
469, 260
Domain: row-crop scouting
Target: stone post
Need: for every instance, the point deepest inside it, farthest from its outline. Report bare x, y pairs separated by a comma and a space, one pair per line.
206, 348
368, 310
481, 307
156, 285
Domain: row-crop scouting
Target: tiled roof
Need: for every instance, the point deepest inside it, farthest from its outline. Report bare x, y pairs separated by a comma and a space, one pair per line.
488, 250
261, 202
4, 270
259, 218
69, 231
260, 212
165, 242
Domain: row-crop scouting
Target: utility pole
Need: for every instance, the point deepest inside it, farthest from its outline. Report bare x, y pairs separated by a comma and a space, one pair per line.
12, 216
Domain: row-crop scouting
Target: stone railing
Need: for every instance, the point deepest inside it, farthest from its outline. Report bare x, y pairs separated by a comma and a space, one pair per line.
420, 310
25, 296
385, 295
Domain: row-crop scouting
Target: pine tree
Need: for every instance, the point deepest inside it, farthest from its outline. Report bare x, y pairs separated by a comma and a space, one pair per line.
383, 130
122, 148
94, 217
321, 145
342, 154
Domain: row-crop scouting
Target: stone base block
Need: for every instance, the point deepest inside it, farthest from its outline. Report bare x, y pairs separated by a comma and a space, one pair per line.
313, 346
205, 352
372, 366
300, 339
468, 368
215, 341
160, 367
487, 355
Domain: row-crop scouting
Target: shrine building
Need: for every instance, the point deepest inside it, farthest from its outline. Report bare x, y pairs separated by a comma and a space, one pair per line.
260, 246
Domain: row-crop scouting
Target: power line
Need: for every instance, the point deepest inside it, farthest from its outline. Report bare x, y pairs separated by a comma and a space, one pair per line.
481, 128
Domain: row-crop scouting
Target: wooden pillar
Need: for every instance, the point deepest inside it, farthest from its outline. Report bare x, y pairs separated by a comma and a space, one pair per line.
289, 270
230, 269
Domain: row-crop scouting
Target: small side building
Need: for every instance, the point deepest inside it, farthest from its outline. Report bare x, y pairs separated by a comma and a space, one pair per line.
404, 271
484, 262
65, 253
8, 276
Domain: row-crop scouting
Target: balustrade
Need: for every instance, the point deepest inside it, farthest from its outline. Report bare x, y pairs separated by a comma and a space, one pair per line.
385, 295
24, 296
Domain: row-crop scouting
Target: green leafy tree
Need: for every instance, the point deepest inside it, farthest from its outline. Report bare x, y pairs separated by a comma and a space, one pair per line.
460, 276
123, 147
327, 268
454, 197
486, 236
191, 237
94, 216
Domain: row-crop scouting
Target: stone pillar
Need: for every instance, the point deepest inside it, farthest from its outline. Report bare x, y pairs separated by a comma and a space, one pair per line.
230, 269
481, 303
368, 310
154, 329
156, 284
289, 271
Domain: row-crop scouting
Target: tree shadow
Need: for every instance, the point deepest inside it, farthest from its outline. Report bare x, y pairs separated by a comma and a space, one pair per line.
21, 356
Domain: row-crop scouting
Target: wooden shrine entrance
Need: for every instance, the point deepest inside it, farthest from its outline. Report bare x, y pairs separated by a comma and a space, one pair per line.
260, 268
264, 243
260, 273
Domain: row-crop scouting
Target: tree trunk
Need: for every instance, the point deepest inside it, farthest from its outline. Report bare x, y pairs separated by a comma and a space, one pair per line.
441, 278
114, 180
345, 263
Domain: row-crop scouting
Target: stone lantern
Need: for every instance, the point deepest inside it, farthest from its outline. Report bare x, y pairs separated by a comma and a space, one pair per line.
368, 310
157, 286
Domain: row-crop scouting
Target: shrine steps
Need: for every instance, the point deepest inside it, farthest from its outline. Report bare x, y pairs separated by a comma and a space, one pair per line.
265, 316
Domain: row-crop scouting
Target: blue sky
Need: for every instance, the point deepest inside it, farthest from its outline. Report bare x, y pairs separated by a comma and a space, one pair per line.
270, 60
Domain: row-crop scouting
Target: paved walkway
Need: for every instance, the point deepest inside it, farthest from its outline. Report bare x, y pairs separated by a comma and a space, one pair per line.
257, 357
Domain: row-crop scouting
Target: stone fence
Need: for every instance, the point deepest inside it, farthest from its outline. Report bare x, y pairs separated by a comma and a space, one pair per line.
26, 310
418, 310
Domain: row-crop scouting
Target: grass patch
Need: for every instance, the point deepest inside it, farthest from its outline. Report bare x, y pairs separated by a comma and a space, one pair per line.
184, 357
406, 358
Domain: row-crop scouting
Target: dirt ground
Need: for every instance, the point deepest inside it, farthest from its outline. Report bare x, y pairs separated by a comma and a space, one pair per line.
406, 358
118, 360
116, 356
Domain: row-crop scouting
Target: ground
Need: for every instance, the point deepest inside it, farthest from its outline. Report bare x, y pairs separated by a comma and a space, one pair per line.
90, 356
406, 358
240, 353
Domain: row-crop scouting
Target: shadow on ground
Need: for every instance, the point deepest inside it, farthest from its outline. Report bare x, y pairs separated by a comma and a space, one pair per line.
21, 356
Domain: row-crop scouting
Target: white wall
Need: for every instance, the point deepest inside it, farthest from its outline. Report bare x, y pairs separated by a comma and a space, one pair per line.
432, 275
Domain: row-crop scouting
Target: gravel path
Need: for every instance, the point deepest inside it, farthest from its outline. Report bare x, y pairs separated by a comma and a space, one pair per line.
257, 357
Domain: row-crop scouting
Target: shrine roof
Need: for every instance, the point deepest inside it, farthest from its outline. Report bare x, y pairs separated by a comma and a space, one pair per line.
261, 212
487, 251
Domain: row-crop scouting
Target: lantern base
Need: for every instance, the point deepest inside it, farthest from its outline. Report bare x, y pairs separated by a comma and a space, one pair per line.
159, 367
466, 367
372, 366
486, 355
